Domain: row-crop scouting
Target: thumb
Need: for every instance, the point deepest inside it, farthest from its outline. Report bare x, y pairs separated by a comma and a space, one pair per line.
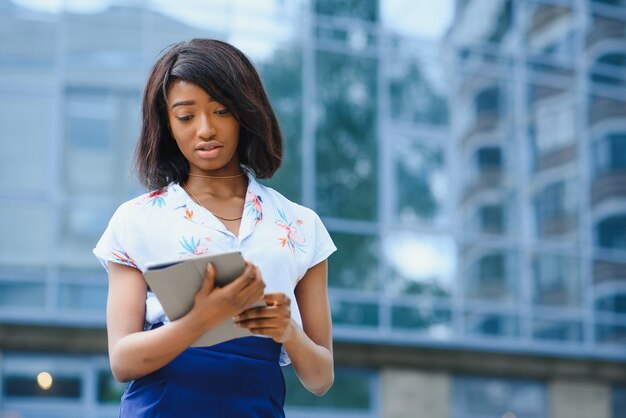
208, 284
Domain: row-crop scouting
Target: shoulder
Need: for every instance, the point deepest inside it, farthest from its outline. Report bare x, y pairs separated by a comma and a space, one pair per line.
283, 204
141, 206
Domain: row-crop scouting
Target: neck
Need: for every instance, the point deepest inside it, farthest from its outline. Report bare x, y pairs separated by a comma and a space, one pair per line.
218, 187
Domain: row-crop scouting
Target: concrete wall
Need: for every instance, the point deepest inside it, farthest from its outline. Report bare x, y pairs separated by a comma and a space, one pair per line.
579, 399
414, 393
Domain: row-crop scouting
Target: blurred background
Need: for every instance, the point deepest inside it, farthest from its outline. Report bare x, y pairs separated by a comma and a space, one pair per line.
468, 157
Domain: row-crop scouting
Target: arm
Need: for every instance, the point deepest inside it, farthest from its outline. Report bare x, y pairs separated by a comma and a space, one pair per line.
310, 347
133, 352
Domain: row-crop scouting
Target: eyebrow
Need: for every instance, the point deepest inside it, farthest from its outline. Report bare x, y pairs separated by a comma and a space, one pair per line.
188, 103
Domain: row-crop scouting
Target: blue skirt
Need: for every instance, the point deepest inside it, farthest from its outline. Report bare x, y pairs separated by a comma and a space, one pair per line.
240, 378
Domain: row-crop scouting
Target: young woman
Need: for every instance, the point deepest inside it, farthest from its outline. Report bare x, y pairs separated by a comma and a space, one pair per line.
208, 131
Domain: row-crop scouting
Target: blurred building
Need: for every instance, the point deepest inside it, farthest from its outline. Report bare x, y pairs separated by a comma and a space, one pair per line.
468, 157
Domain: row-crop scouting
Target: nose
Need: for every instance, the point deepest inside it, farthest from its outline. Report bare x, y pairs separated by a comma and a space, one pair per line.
205, 128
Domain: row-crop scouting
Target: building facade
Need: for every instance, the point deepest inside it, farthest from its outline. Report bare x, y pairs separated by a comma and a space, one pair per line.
468, 158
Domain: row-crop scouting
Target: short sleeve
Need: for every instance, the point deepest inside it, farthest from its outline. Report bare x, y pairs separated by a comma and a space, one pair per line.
323, 246
112, 246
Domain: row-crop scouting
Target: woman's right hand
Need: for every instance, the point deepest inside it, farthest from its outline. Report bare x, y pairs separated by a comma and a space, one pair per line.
215, 304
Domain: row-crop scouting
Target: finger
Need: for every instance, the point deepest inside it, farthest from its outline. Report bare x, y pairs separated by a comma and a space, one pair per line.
208, 284
256, 313
276, 299
242, 281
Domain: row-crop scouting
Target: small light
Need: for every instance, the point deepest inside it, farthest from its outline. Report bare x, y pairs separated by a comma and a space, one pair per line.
44, 380
509, 415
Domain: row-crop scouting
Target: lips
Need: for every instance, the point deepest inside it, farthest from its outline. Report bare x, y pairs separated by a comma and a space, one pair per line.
208, 146
208, 150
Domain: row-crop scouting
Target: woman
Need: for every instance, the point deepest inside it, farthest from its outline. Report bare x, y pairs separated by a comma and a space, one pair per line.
207, 131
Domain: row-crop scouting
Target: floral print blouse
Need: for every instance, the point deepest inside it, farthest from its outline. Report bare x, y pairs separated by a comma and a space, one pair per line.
282, 238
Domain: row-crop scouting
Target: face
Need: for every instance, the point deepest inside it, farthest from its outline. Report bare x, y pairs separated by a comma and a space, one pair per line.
205, 130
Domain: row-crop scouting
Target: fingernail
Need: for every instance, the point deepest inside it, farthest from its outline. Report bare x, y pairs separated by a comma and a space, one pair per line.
236, 318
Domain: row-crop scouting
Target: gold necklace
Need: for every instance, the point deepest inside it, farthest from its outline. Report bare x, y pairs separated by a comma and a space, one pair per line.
198, 202
216, 177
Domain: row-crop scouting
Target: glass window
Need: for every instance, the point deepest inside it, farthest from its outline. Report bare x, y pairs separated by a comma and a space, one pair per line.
30, 57
27, 233
25, 377
550, 36
353, 391
611, 232
420, 179
489, 158
565, 331
357, 268
618, 401
420, 264
346, 136
615, 302
492, 219
555, 209
610, 153
491, 276
492, 325
487, 102
556, 280
478, 397
28, 387
22, 294
87, 297
349, 313
28, 132
611, 334
355, 9
416, 87
109, 390
436, 323
282, 78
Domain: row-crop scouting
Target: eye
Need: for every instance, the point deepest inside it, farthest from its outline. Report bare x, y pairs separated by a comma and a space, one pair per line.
184, 118
222, 112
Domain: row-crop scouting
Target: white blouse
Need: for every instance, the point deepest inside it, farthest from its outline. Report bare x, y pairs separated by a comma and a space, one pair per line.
282, 238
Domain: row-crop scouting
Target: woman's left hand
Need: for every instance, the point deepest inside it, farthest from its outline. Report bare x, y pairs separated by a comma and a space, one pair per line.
273, 320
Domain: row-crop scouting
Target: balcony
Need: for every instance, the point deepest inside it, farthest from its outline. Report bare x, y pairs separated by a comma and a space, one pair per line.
608, 185
486, 122
604, 28
602, 108
544, 15
604, 271
487, 179
556, 158
557, 226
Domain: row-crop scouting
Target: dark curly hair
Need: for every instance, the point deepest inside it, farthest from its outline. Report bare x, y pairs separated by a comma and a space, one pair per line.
229, 77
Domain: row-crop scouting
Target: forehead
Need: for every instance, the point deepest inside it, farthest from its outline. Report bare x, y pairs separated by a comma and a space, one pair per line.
184, 90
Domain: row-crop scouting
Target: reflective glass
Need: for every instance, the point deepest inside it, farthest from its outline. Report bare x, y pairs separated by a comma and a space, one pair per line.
352, 390
91, 159
26, 121
550, 35
354, 313
27, 233
109, 390
611, 334
556, 280
492, 325
475, 397
83, 297
556, 204
436, 323
22, 294
357, 268
354, 9
565, 331
421, 184
490, 274
416, 87
618, 401
30, 57
282, 77
346, 136
419, 263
